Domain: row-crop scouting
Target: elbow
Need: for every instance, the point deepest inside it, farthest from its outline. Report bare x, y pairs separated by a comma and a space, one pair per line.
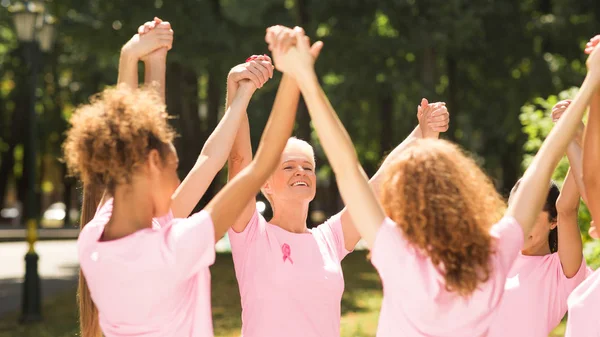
236, 158
591, 184
564, 207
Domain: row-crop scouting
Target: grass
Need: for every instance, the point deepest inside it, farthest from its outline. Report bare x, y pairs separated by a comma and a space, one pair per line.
360, 305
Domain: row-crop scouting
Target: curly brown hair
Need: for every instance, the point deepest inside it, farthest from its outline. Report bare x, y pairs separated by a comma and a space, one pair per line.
445, 205
111, 136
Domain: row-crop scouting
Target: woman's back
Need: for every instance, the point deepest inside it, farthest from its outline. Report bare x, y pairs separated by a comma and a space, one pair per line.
150, 282
416, 301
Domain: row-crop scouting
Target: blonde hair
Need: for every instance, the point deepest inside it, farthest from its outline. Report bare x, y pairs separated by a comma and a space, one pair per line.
291, 141
445, 206
88, 313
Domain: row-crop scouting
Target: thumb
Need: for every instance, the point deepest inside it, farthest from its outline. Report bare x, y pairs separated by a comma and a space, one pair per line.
301, 40
424, 103
315, 49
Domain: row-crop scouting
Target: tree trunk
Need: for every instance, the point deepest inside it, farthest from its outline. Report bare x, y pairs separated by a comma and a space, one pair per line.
428, 73
453, 100
386, 120
215, 78
302, 116
182, 102
8, 163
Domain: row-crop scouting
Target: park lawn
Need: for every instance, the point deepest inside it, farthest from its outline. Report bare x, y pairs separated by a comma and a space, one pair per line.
360, 304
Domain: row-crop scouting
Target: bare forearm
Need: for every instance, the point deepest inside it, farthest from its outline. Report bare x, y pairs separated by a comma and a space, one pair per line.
155, 74
211, 159
226, 207
219, 144
286, 104
569, 237
568, 200
241, 151
333, 136
575, 156
530, 198
375, 181
591, 157
128, 70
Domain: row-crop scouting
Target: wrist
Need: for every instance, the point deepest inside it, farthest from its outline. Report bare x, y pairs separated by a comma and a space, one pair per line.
127, 55
246, 90
305, 77
155, 60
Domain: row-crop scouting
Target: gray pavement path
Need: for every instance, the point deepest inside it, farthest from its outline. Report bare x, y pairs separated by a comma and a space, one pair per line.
58, 268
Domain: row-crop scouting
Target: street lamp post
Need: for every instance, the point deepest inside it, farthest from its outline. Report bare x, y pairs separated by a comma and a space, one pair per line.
34, 33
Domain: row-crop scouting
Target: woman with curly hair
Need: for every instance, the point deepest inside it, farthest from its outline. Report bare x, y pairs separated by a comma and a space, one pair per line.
447, 243
152, 50
289, 276
584, 302
146, 272
551, 260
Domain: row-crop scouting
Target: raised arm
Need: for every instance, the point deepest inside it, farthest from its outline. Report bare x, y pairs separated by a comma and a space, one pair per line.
574, 149
591, 157
569, 238
591, 145
155, 63
241, 152
227, 205
530, 196
359, 198
215, 151
433, 119
138, 47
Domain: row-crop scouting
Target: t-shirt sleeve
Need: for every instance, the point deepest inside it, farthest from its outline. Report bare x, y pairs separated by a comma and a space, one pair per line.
190, 243
509, 241
242, 241
389, 251
332, 230
565, 286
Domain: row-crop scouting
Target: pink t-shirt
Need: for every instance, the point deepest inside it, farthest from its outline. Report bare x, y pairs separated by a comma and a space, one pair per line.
154, 282
535, 296
415, 301
290, 284
584, 308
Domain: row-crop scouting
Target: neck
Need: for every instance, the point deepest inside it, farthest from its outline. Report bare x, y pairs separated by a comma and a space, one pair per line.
539, 250
132, 211
290, 215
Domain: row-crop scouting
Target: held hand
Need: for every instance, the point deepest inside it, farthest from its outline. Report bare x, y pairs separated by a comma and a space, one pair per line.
433, 118
287, 35
160, 37
291, 49
593, 61
160, 53
257, 68
591, 45
246, 85
559, 108
593, 231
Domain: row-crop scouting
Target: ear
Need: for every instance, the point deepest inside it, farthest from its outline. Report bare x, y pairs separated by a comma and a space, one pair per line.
155, 163
553, 225
267, 187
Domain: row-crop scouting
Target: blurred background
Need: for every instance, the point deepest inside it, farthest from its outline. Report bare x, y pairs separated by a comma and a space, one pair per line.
500, 65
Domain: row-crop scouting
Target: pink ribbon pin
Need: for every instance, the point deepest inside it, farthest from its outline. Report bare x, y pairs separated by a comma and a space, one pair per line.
287, 252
